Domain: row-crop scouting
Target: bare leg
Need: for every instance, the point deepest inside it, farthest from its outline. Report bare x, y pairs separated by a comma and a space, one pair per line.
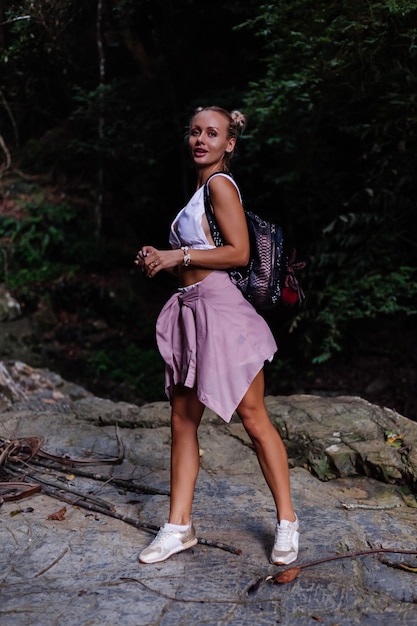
269, 447
186, 415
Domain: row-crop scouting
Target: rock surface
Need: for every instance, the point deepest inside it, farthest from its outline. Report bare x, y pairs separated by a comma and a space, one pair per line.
83, 569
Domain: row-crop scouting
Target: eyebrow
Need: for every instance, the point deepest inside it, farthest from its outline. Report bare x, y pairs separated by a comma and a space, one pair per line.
208, 127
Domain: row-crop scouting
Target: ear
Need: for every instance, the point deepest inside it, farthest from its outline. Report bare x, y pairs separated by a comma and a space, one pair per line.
231, 144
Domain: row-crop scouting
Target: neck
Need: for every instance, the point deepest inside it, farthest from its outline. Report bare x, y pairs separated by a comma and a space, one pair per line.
204, 174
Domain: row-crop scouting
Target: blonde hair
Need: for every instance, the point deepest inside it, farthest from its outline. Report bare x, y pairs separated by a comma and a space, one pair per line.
236, 126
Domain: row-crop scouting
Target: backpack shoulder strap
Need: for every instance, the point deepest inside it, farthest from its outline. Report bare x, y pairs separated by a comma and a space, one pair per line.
214, 229
207, 203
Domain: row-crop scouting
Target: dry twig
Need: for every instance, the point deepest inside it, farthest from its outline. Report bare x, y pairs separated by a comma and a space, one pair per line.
195, 600
290, 574
58, 558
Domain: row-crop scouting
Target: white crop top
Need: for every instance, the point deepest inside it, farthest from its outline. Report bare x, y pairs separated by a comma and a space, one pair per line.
187, 228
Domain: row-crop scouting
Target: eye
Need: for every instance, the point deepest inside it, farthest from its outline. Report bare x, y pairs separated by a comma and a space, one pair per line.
212, 133
194, 132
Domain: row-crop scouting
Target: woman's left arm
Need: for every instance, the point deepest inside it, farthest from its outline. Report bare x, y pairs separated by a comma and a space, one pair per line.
231, 220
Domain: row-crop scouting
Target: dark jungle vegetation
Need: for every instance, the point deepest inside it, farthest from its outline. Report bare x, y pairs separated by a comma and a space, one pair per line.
94, 101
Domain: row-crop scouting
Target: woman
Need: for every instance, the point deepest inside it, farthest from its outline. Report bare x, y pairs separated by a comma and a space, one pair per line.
213, 341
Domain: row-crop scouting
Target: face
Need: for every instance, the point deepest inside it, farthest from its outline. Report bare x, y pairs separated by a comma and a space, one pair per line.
208, 140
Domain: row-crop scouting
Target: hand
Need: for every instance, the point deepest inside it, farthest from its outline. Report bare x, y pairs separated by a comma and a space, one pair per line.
146, 261
152, 260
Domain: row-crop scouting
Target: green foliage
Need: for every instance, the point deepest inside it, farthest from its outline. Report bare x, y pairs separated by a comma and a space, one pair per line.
358, 275
335, 114
49, 241
369, 297
142, 370
336, 105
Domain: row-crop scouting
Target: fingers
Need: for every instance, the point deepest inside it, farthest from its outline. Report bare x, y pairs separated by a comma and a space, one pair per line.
141, 255
152, 268
148, 260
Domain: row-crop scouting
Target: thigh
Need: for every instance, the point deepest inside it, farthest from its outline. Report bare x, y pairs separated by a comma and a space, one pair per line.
252, 410
253, 400
186, 407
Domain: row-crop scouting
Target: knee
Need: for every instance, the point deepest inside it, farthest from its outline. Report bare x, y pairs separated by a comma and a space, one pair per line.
182, 424
178, 421
256, 423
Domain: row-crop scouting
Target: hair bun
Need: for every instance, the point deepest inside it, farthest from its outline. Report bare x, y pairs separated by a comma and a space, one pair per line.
239, 120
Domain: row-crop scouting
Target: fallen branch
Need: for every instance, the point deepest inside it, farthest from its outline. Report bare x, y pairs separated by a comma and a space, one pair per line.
27, 448
369, 507
124, 483
17, 450
62, 487
11, 491
109, 510
221, 546
288, 575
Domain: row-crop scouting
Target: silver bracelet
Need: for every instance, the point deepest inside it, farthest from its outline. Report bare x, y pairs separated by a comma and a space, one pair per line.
187, 258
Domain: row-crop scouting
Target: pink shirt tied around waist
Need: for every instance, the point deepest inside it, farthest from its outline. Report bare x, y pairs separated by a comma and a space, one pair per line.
212, 338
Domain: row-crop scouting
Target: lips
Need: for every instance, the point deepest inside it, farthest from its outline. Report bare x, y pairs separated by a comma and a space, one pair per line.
199, 153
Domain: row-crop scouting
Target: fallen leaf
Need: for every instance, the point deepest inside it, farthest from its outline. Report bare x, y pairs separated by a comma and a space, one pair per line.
287, 576
58, 515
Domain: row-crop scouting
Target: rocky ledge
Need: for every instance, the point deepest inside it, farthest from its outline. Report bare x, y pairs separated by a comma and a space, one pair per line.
69, 550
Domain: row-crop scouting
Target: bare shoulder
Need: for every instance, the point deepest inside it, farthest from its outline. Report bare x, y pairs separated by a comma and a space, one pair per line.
222, 187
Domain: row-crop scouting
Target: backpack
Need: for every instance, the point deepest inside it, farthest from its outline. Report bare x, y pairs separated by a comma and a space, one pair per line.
268, 280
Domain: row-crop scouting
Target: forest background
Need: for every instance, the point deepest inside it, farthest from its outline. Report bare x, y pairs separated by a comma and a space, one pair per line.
95, 98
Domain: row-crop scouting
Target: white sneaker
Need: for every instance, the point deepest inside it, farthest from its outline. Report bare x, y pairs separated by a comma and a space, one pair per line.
285, 549
166, 543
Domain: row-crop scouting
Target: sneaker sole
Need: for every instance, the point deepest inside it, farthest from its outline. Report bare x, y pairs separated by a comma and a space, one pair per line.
283, 562
185, 546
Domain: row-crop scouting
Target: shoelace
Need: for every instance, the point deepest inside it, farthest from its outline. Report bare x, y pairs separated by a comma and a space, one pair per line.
282, 539
162, 534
